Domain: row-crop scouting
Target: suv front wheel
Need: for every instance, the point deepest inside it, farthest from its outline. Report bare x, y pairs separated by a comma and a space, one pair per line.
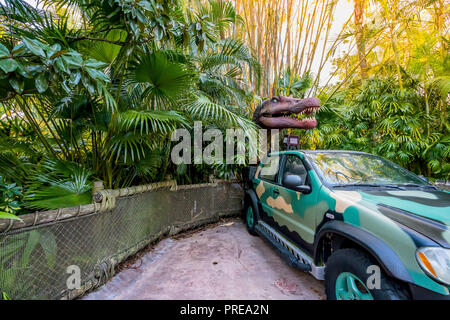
347, 275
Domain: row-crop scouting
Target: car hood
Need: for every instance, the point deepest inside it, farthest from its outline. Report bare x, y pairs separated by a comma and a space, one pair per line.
432, 205
427, 212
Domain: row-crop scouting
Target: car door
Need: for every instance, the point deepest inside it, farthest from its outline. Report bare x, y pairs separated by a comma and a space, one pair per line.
266, 183
295, 212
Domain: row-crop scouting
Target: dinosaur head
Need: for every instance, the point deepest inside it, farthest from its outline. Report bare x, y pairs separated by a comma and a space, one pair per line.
284, 112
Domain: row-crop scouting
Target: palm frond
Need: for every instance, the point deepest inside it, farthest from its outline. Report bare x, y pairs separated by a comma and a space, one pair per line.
29, 22
163, 82
130, 145
221, 13
146, 121
14, 168
204, 109
442, 83
58, 184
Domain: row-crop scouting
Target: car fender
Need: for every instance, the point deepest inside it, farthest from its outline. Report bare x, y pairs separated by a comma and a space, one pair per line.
250, 195
382, 252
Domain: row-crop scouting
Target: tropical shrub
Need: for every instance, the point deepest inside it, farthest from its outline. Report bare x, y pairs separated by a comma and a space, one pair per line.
10, 200
383, 118
97, 95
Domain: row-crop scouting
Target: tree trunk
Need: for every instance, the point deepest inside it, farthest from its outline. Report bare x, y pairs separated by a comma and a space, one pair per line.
360, 41
439, 21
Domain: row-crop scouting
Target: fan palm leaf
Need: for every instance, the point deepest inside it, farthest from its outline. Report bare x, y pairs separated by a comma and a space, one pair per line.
204, 109
130, 145
58, 184
163, 82
146, 121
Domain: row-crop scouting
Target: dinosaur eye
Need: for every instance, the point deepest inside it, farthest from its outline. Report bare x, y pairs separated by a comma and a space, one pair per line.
274, 100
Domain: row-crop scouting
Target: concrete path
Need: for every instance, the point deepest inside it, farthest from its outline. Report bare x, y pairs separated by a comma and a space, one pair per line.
222, 262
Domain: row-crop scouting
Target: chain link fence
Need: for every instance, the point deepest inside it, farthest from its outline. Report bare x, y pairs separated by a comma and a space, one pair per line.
41, 258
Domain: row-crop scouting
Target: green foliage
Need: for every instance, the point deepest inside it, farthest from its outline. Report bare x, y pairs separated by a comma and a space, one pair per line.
15, 258
105, 88
159, 81
382, 118
290, 84
10, 200
204, 109
4, 296
58, 184
398, 105
29, 65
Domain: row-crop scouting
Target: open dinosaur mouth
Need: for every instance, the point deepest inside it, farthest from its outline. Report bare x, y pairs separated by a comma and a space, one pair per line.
304, 119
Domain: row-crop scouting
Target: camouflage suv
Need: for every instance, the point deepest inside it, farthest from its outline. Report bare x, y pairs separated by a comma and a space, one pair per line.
368, 227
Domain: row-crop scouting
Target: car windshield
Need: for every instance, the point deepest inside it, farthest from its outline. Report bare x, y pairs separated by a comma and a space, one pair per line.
345, 169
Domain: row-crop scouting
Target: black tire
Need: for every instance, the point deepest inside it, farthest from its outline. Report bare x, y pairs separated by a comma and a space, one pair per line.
356, 262
250, 224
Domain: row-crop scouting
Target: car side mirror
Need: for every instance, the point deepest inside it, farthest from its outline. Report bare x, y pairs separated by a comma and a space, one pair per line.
294, 182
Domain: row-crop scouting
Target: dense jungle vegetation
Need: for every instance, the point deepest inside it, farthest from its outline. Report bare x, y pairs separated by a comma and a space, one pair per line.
92, 89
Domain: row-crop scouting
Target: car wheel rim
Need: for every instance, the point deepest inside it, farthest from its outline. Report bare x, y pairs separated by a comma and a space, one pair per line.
350, 287
250, 216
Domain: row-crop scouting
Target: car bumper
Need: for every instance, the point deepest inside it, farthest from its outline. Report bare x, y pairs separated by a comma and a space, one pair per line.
420, 293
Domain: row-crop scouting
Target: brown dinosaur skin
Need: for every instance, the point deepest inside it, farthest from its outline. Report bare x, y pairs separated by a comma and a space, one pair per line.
275, 113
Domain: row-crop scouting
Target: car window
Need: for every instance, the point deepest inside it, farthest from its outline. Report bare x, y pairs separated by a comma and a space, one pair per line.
270, 169
361, 169
294, 166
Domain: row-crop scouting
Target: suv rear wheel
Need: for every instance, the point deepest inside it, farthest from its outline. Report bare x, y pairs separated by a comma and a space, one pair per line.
347, 274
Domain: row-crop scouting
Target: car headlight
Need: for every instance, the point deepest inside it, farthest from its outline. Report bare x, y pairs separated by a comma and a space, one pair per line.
435, 261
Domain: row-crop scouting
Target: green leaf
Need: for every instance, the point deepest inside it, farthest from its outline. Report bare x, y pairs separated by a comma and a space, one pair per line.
88, 85
17, 85
53, 50
92, 63
35, 46
59, 62
33, 240
96, 74
164, 81
158, 32
49, 246
73, 59
145, 121
146, 5
60, 184
5, 296
4, 52
6, 215
18, 49
8, 65
41, 83
60, 196
22, 71
75, 78
65, 86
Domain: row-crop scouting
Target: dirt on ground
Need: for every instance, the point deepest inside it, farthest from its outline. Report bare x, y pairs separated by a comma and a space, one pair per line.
219, 261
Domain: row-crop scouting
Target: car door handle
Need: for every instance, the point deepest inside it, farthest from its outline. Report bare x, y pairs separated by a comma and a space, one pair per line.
276, 191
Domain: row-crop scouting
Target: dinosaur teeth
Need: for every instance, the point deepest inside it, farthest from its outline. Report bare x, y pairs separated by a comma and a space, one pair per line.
309, 110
